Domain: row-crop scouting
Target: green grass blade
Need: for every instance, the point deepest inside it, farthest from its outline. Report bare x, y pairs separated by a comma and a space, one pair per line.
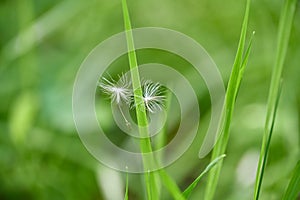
285, 25
188, 191
244, 64
230, 98
145, 143
264, 160
126, 188
293, 189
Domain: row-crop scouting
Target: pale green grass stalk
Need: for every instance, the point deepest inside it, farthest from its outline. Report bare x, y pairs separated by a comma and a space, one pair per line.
285, 25
293, 189
231, 94
126, 187
263, 162
145, 143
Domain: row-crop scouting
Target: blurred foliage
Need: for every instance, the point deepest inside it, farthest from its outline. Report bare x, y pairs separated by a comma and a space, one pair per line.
43, 44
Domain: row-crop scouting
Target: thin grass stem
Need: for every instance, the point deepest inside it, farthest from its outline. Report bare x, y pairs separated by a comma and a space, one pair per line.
230, 98
145, 143
285, 24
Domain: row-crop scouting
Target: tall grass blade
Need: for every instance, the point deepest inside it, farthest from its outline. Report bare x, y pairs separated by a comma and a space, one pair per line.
285, 24
244, 64
293, 189
145, 143
126, 187
188, 191
263, 162
230, 98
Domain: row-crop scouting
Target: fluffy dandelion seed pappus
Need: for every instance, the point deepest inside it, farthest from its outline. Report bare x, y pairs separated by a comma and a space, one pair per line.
152, 96
118, 91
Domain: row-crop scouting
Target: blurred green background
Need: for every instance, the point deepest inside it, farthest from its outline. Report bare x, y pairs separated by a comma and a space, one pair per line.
43, 43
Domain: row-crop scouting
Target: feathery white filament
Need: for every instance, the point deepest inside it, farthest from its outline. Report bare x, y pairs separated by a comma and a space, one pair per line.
119, 91
152, 97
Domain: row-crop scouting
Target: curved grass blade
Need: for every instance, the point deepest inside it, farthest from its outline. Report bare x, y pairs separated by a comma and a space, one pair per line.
145, 143
293, 189
230, 98
188, 191
285, 25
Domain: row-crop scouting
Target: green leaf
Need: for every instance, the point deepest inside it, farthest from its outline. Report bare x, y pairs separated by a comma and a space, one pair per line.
126, 188
230, 98
293, 188
188, 191
285, 25
145, 143
262, 160
244, 64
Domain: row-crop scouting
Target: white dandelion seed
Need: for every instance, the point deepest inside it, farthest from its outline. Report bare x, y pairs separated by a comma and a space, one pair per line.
152, 96
118, 91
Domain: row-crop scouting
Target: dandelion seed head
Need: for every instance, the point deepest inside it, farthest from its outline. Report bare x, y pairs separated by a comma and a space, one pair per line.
152, 96
118, 91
